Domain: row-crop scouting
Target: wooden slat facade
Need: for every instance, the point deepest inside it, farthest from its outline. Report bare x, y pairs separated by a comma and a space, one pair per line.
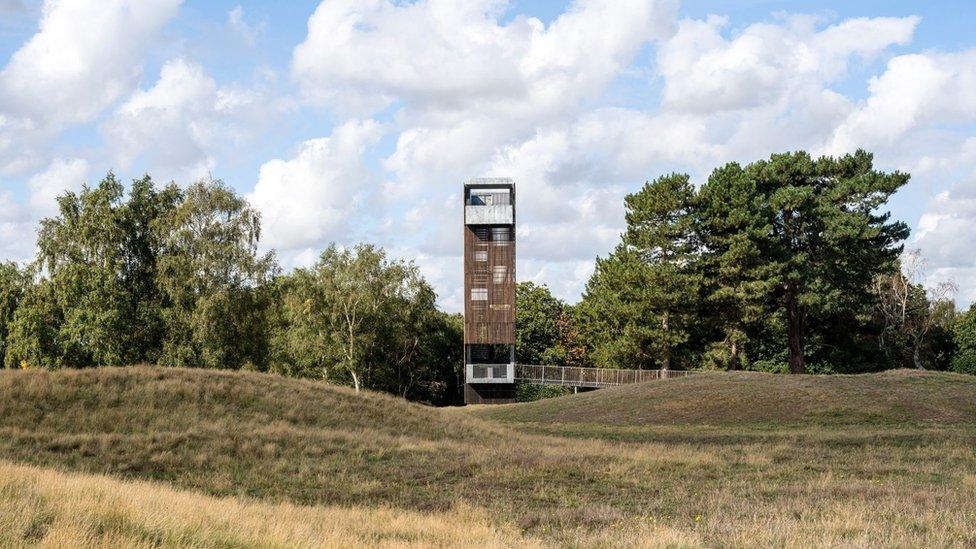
492, 320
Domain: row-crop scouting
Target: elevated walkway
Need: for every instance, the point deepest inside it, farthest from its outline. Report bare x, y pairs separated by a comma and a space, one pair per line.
588, 377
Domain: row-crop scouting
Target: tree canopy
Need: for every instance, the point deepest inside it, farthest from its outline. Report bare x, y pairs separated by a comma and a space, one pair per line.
772, 265
790, 264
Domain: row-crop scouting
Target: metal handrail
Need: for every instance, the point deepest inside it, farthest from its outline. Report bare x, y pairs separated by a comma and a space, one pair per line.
577, 376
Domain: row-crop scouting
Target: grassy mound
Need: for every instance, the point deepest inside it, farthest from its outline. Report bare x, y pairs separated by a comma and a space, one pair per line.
593, 469
236, 433
740, 398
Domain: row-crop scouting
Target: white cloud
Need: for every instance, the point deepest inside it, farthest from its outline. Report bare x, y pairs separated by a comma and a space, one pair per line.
84, 57
247, 32
18, 219
60, 176
475, 97
466, 85
579, 111
915, 90
308, 200
444, 55
180, 122
944, 234
16, 229
705, 72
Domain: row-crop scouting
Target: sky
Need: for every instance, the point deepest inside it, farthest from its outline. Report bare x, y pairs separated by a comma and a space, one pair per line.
357, 121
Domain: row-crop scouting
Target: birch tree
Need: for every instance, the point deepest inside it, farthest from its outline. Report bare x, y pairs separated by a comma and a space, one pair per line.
909, 310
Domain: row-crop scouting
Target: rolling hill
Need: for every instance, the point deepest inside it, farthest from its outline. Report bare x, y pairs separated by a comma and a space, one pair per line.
715, 459
749, 398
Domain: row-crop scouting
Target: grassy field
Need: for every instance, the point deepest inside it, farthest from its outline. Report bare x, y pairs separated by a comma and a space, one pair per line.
48, 508
716, 459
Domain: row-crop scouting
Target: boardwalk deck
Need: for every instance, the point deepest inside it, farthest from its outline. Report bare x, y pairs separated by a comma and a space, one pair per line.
588, 377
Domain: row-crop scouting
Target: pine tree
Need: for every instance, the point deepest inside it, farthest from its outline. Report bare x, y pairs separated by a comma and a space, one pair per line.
642, 300
737, 278
827, 241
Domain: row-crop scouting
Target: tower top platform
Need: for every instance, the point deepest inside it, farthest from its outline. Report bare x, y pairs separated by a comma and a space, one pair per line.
489, 182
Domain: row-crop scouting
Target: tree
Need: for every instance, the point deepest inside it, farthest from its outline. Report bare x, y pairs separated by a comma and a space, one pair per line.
910, 312
536, 315
14, 283
211, 276
141, 246
614, 316
964, 338
661, 237
570, 348
81, 251
96, 302
737, 279
437, 369
358, 316
827, 241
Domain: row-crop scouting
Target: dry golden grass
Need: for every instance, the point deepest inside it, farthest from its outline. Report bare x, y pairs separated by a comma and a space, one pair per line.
304, 447
44, 508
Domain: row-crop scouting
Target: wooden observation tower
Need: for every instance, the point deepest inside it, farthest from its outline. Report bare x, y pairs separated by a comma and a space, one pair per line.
489, 291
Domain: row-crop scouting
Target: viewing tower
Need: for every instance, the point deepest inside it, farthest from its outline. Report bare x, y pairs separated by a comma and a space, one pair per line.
489, 291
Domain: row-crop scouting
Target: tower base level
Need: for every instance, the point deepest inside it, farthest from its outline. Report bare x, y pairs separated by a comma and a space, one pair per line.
489, 393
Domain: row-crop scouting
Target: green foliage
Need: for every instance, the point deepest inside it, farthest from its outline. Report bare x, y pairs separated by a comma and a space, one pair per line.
96, 302
612, 312
211, 274
14, 283
769, 266
642, 301
527, 392
357, 317
175, 277
786, 264
825, 244
536, 314
547, 330
738, 282
964, 337
915, 322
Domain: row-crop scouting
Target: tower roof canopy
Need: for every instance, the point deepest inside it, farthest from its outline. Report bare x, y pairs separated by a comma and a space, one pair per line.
490, 182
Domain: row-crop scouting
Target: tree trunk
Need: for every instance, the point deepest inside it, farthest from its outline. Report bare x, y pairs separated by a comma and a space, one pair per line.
734, 362
355, 379
666, 359
917, 357
794, 318
351, 352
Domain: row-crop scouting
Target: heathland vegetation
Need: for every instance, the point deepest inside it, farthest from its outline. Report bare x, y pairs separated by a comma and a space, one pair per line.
790, 264
149, 456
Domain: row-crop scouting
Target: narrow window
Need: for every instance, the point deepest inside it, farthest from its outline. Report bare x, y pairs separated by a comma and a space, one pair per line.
499, 274
500, 234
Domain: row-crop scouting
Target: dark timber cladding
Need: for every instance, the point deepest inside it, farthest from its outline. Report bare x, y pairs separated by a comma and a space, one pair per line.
489, 290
